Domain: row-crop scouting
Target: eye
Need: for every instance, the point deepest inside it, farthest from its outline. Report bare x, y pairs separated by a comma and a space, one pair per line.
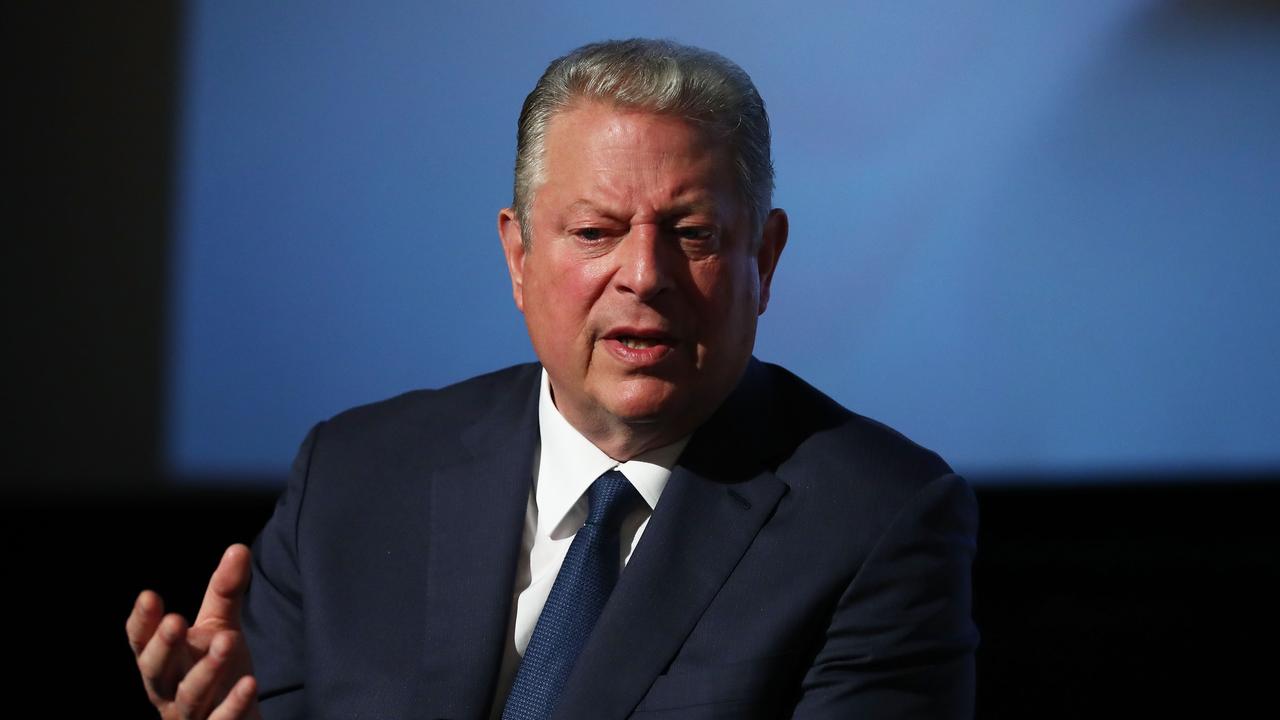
694, 232
590, 234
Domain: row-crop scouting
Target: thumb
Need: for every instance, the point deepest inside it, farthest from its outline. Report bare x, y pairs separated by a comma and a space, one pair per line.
226, 589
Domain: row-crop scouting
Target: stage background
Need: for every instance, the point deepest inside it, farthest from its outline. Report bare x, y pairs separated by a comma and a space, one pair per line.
1037, 238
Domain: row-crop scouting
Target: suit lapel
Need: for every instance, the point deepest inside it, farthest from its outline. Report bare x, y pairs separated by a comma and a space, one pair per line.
476, 519
714, 505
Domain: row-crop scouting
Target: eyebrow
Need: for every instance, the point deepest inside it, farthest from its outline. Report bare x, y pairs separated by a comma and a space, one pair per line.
704, 204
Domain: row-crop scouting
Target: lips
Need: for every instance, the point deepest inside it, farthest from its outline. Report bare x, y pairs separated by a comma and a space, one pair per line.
639, 346
640, 338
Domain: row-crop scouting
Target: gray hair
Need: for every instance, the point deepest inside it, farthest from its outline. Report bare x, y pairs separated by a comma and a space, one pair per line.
655, 76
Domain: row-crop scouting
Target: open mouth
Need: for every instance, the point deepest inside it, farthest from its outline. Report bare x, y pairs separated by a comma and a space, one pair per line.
640, 343
636, 345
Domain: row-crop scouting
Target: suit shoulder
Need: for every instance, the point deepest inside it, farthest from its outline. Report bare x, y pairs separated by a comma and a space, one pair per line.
826, 439
449, 406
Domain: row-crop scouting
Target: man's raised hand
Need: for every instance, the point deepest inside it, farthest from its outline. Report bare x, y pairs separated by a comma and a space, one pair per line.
201, 671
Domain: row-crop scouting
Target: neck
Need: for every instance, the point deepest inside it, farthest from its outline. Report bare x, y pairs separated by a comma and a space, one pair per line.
624, 440
631, 446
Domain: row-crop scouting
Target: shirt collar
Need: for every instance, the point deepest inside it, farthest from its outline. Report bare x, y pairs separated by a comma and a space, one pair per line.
568, 463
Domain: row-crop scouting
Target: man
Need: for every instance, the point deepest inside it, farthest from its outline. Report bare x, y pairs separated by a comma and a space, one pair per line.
454, 553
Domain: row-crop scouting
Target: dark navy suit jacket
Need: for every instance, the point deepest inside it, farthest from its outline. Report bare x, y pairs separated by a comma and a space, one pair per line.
803, 562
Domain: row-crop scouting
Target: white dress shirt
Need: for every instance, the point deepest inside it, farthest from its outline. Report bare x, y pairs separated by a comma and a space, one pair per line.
565, 465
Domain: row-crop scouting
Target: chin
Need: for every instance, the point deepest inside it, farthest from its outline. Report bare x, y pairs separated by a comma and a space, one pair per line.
647, 401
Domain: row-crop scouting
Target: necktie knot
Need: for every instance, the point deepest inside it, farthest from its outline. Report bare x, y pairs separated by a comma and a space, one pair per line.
610, 498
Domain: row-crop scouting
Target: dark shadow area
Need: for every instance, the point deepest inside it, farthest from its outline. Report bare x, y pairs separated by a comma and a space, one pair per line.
1112, 599
86, 246
1192, 15
80, 564
1097, 601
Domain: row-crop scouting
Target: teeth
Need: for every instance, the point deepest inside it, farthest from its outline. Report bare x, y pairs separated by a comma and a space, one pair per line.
637, 343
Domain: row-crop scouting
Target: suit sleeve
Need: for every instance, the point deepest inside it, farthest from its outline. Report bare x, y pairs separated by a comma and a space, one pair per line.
901, 641
272, 616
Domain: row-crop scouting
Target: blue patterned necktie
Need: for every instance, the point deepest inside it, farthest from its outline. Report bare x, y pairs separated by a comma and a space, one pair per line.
582, 586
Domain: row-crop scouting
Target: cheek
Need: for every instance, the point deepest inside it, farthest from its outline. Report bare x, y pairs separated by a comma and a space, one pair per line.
561, 295
727, 304
727, 292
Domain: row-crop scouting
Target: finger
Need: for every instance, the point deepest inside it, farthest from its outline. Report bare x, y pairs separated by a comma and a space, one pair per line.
165, 658
201, 687
241, 702
226, 588
143, 620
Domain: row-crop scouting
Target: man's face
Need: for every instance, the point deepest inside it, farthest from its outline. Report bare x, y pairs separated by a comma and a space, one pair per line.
641, 283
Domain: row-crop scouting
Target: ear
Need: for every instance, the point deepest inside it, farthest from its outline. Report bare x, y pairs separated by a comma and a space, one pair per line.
513, 248
773, 240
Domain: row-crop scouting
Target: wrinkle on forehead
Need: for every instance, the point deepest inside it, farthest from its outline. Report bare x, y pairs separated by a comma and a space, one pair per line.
624, 164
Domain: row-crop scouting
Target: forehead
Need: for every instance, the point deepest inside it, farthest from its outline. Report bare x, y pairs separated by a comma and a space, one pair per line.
594, 143
618, 121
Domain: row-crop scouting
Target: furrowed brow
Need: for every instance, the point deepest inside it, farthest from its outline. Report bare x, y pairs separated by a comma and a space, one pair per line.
586, 206
696, 206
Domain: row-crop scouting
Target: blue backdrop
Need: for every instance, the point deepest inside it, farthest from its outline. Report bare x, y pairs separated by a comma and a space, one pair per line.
1036, 237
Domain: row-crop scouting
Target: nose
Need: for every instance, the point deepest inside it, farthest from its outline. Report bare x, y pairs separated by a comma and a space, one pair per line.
643, 263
